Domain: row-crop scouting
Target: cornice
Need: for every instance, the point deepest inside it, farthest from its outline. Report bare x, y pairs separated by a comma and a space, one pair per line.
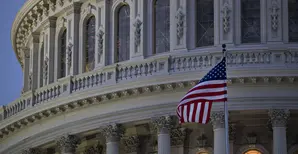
37, 113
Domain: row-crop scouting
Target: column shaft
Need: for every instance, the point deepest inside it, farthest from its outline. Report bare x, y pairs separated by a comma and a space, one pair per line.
164, 143
113, 147
279, 140
219, 141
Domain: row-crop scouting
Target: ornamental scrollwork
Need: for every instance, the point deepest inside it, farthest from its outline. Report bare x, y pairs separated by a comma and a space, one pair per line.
279, 117
69, 53
159, 123
226, 16
180, 22
217, 119
98, 149
131, 143
274, 15
31, 151
30, 80
100, 35
178, 136
113, 131
45, 68
68, 143
137, 24
52, 5
60, 2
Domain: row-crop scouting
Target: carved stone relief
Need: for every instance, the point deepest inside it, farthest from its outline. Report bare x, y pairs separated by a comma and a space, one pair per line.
178, 136
45, 68
113, 132
100, 37
274, 15
68, 143
30, 81
138, 23
217, 119
226, 16
69, 53
180, 22
279, 117
98, 149
131, 144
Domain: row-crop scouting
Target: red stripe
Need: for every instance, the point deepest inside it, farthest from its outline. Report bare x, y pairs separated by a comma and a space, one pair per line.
208, 86
182, 110
206, 94
202, 112
209, 111
193, 118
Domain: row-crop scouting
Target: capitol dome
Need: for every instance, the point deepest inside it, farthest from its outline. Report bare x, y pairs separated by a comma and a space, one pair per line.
106, 76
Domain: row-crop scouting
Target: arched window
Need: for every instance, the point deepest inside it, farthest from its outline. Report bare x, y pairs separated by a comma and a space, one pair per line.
161, 26
90, 44
123, 34
250, 21
293, 21
205, 23
253, 152
62, 66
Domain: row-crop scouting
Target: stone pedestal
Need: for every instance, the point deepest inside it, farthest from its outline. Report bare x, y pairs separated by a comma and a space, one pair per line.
278, 118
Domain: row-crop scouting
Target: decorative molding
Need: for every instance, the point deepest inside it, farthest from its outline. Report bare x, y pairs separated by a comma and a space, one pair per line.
274, 14
60, 2
138, 27
226, 9
112, 132
131, 144
178, 136
180, 22
217, 119
68, 143
164, 124
45, 68
69, 53
279, 117
100, 39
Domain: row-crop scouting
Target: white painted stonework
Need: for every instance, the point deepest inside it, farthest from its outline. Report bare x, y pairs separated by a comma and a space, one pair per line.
129, 107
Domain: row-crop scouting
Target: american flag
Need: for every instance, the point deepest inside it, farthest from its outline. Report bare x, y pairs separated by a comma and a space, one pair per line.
196, 105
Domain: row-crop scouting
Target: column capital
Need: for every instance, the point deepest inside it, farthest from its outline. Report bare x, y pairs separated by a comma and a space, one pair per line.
178, 136
113, 132
98, 149
31, 151
279, 117
163, 122
50, 22
131, 143
217, 119
68, 143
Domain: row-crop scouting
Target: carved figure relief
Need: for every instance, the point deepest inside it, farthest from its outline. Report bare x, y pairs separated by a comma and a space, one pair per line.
69, 53
226, 16
30, 81
100, 38
45, 69
180, 22
138, 23
274, 15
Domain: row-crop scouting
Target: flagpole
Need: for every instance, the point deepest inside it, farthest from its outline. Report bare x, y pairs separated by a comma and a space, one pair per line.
226, 113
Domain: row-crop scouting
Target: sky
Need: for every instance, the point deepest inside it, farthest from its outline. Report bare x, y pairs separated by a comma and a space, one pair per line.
11, 75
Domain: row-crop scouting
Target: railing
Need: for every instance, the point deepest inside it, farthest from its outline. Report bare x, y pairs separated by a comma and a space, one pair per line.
135, 70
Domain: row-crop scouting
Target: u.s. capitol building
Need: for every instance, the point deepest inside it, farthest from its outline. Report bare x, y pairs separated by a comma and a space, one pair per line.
106, 76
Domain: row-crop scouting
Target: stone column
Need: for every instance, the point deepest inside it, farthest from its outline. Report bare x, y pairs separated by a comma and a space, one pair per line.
217, 119
72, 57
177, 140
131, 144
50, 30
278, 119
163, 126
31, 151
26, 66
35, 53
68, 144
113, 133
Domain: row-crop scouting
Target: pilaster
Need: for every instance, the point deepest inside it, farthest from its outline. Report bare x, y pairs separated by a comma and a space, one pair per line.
67, 144
26, 52
72, 57
217, 120
40, 60
226, 22
178, 24
274, 22
138, 20
50, 30
278, 119
100, 50
191, 24
35, 55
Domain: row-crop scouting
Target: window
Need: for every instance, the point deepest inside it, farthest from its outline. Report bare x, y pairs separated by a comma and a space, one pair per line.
205, 23
253, 152
293, 20
90, 44
250, 21
161, 26
62, 65
123, 34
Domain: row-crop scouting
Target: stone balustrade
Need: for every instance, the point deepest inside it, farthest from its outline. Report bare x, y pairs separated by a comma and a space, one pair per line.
164, 65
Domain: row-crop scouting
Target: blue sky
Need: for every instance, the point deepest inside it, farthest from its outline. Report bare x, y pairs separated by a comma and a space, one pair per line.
10, 70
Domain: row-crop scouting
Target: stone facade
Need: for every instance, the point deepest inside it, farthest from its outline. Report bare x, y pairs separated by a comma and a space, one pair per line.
129, 106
